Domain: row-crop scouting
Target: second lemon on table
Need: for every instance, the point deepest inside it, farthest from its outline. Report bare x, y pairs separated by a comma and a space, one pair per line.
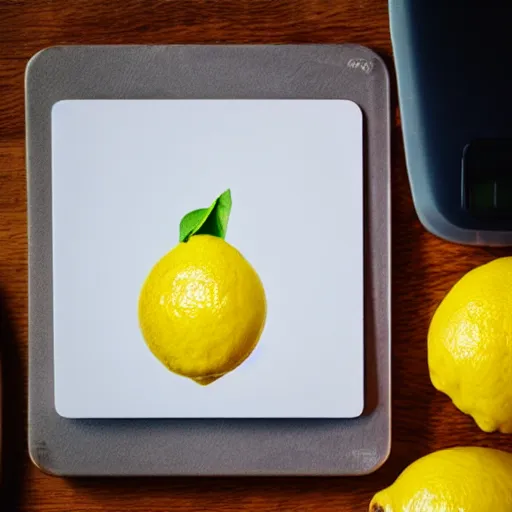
461, 479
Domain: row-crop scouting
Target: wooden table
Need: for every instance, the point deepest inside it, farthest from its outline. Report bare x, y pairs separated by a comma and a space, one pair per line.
424, 267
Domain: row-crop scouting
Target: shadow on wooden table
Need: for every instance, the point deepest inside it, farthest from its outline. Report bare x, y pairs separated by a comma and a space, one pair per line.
413, 391
13, 426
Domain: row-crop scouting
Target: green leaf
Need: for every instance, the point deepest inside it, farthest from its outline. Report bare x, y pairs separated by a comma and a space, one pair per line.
208, 221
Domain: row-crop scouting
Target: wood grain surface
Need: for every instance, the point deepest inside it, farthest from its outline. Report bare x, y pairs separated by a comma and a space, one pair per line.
424, 267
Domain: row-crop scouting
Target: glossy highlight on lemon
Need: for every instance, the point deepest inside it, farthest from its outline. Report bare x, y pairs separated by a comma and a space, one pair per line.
202, 309
470, 345
461, 479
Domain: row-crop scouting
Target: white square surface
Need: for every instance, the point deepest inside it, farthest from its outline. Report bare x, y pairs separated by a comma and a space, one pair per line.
124, 172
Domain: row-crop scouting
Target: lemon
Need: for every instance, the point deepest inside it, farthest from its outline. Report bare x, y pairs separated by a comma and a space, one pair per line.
470, 345
461, 479
202, 309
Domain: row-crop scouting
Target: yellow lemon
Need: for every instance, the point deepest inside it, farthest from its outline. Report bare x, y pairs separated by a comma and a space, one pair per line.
470, 345
202, 309
462, 479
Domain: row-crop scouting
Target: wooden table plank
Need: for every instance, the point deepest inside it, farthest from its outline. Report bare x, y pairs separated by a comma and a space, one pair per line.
28, 26
424, 267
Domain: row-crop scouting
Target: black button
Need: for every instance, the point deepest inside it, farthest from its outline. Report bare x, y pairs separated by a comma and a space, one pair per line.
487, 178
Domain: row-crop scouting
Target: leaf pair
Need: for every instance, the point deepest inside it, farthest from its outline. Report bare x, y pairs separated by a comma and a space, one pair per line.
208, 221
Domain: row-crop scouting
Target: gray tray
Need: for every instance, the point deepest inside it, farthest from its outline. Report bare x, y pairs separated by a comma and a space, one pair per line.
218, 446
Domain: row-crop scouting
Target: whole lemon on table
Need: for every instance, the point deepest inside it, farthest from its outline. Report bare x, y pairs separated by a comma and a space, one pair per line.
462, 479
470, 345
202, 308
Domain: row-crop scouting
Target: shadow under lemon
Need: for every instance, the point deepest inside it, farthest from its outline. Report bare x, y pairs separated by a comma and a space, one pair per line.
202, 308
